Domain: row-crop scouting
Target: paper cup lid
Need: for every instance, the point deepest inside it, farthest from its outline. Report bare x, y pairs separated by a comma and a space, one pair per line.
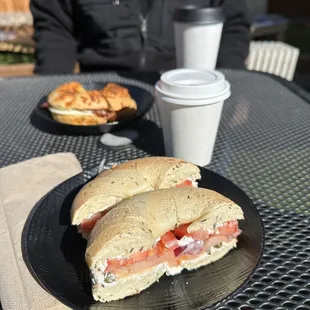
192, 84
198, 14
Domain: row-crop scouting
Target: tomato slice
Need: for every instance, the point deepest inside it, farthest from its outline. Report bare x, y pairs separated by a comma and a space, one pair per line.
169, 240
228, 228
186, 183
181, 231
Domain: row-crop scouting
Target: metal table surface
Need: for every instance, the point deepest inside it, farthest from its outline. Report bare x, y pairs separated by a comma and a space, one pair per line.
263, 146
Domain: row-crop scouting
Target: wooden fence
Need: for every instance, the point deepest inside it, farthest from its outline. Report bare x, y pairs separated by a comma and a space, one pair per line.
14, 5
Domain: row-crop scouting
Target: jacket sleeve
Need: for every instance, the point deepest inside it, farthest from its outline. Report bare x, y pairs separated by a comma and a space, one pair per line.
56, 48
235, 41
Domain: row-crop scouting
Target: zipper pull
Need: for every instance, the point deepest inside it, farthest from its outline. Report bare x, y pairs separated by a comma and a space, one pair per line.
143, 28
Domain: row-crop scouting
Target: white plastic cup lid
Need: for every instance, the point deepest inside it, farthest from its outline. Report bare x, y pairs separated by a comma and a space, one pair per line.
192, 84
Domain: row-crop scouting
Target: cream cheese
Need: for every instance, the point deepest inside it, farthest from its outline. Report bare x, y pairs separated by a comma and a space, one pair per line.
185, 241
171, 271
71, 112
107, 279
99, 276
215, 248
195, 184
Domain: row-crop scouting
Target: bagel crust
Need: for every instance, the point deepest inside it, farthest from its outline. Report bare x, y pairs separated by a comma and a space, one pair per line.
128, 179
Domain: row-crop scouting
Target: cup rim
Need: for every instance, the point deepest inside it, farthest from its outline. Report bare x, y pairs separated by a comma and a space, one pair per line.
225, 93
220, 77
194, 103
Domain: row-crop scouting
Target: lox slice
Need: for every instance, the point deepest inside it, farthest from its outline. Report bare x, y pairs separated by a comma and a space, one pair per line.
172, 249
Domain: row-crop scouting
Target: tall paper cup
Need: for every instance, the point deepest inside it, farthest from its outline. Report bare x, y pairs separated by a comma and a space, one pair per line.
198, 32
190, 104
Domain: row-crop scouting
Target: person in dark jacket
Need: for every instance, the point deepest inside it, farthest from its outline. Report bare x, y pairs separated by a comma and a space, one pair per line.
124, 34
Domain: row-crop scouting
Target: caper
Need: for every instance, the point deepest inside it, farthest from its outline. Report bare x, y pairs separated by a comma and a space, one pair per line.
217, 246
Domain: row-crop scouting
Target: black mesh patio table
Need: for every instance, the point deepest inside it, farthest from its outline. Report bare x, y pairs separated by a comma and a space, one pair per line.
263, 146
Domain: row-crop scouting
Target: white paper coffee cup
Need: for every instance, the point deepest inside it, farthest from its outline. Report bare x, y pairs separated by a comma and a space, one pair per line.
198, 32
190, 103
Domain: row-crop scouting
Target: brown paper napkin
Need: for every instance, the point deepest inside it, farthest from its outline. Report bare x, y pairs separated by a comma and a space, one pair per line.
21, 186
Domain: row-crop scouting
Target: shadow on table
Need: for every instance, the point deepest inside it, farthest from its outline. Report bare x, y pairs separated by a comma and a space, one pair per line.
73, 248
151, 138
146, 77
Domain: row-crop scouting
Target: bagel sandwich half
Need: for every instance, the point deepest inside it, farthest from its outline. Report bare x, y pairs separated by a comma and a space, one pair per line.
125, 180
156, 233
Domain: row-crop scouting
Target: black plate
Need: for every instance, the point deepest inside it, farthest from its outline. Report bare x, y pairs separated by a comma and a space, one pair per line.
143, 98
54, 254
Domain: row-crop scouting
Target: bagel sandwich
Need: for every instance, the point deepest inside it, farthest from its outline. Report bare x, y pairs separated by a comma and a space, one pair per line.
71, 104
156, 233
125, 180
